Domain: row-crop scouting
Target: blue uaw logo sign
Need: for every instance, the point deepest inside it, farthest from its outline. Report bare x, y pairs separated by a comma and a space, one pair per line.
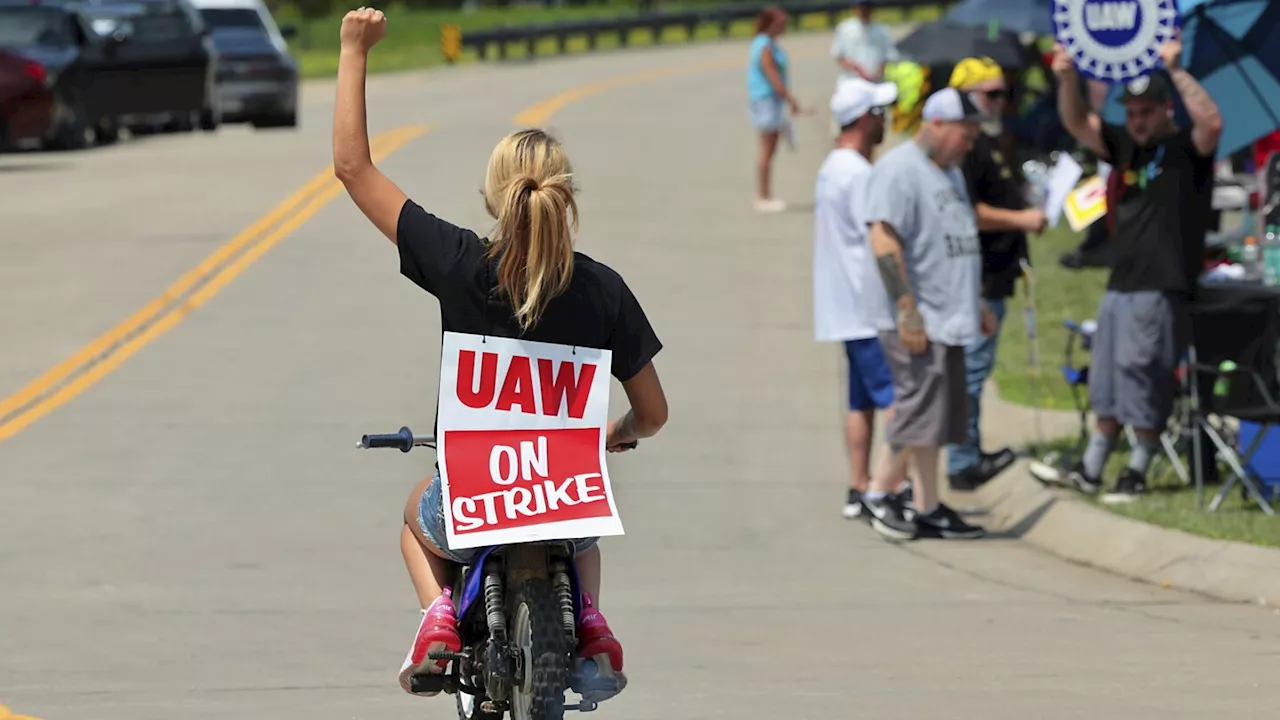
1114, 40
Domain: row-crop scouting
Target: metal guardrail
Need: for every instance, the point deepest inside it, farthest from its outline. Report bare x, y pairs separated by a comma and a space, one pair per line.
454, 41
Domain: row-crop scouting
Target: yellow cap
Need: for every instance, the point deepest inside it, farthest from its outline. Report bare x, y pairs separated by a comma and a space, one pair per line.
975, 71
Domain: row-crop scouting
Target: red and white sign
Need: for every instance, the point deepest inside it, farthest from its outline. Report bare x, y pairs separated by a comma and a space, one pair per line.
521, 441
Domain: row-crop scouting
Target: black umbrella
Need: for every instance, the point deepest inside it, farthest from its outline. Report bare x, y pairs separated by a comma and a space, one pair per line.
1035, 16
942, 43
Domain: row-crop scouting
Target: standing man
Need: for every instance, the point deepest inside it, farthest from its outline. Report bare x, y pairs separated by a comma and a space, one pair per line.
1159, 207
998, 191
848, 301
925, 241
861, 47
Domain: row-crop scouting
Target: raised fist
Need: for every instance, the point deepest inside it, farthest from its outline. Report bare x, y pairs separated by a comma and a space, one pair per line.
362, 29
1062, 61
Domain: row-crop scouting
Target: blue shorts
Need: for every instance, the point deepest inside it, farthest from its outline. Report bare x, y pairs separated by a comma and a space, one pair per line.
766, 114
870, 379
431, 520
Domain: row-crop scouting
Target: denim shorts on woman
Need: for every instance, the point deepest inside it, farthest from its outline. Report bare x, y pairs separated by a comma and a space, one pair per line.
431, 520
766, 114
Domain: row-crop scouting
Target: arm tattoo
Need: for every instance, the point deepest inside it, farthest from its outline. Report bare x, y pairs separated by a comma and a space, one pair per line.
891, 273
1200, 106
899, 293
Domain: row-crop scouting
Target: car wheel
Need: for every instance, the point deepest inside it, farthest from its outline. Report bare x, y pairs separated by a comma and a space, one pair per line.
210, 119
108, 132
72, 133
182, 122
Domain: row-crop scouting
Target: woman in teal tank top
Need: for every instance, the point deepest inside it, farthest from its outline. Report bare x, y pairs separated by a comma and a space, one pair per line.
767, 90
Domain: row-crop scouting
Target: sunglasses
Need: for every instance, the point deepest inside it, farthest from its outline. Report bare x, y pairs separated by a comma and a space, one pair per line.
993, 95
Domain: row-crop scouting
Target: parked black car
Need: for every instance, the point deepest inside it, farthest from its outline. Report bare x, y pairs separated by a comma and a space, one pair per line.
163, 63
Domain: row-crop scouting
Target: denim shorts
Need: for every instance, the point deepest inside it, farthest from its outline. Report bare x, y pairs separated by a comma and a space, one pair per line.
766, 114
431, 520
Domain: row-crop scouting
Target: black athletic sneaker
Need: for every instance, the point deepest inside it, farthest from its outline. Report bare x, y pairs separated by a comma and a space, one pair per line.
1082, 482
943, 522
1129, 487
888, 517
906, 493
853, 505
989, 465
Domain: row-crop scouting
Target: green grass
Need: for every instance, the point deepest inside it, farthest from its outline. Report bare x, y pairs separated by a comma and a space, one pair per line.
1060, 294
413, 36
1172, 504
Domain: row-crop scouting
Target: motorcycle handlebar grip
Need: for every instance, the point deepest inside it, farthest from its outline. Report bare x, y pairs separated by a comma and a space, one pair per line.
402, 440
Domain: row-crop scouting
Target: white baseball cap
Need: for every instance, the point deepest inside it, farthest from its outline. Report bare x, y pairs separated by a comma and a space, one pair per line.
951, 104
854, 97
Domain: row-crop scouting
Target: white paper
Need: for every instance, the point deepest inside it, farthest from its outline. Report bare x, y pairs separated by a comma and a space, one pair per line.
1061, 181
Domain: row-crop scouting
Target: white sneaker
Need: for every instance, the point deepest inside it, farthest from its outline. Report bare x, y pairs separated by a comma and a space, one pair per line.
772, 205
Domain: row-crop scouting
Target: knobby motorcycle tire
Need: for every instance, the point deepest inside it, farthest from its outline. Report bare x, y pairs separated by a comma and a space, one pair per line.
550, 650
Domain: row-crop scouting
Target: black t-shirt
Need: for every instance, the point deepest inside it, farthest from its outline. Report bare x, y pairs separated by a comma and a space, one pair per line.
1161, 211
596, 311
992, 179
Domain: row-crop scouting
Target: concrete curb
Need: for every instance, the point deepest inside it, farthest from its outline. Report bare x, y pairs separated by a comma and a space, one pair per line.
1062, 523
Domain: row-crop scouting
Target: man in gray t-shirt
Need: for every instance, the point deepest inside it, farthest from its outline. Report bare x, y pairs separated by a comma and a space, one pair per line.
924, 236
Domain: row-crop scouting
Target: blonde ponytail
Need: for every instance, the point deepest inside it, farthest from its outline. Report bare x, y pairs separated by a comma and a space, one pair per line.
529, 190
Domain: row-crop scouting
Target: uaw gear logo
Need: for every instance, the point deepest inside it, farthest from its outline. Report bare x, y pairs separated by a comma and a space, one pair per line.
1114, 40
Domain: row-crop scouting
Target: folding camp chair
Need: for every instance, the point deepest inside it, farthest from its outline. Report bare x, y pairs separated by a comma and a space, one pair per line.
1242, 328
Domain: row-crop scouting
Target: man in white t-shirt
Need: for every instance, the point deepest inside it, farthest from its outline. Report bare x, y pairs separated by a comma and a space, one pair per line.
848, 297
861, 47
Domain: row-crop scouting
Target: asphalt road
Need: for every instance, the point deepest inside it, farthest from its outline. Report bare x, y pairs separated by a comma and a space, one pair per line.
187, 532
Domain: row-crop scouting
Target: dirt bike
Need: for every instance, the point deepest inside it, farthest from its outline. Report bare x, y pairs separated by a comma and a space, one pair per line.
517, 609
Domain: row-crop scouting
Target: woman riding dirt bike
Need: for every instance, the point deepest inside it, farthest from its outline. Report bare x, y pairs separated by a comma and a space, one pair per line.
525, 282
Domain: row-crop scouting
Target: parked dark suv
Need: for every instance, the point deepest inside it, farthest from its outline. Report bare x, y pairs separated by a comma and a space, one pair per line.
164, 62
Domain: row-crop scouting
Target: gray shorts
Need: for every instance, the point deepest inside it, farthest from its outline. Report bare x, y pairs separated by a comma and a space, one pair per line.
1136, 350
930, 400
431, 520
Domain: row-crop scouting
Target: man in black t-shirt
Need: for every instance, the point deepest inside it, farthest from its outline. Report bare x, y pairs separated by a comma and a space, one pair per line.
998, 191
1158, 208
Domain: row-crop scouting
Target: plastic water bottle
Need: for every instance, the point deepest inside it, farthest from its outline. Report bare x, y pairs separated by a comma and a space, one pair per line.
1271, 255
1251, 259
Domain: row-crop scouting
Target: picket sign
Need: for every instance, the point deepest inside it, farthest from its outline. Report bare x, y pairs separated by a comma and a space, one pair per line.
521, 441
1116, 41
1086, 204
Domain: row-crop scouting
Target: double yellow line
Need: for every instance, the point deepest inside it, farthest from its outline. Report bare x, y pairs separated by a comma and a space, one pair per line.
91, 363
72, 376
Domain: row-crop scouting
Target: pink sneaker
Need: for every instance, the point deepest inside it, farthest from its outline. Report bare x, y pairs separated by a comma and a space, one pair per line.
438, 630
597, 644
